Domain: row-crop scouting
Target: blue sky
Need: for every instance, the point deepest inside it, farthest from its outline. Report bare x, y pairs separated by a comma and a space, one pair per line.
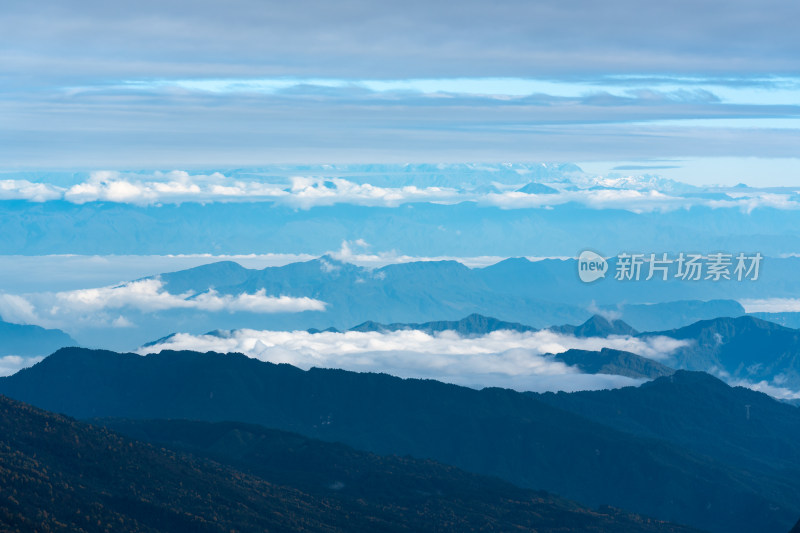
712, 88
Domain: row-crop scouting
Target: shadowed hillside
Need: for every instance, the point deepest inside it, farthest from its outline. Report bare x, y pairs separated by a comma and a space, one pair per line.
61, 475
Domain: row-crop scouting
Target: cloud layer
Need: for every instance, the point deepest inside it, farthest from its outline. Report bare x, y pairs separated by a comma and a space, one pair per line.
98, 305
628, 192
248, 38
250, 82
502, 358
771, 305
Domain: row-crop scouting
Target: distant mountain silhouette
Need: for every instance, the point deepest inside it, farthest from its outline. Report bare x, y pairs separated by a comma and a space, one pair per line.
59, 474
744, 348
596, 326
608, 361
674, 314
474, 324
518, 437
537, 188
18, 339
539, 294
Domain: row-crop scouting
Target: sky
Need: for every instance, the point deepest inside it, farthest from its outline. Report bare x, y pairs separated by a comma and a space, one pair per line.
708, 88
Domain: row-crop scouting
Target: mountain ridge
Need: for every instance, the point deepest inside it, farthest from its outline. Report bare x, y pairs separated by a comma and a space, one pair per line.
492, 431
103, 478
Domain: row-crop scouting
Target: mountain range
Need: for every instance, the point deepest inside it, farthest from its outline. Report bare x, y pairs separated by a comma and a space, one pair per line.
225, 477
29, 340
743, 350
522, 438
623, 216
537, 293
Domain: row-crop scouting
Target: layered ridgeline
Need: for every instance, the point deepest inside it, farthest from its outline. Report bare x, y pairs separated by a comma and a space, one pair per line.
224, 477
521, 438
744, 348
539, 293
28, 340
742, 351
474, 210
331, 293
605, 361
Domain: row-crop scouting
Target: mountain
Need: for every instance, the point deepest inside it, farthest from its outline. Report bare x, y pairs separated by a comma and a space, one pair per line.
78, 477
476, 325
608, 361
539, 293
537, 188
18, 339
701, 413
385, 485
517, 437
472, 325
674, 314
465, 229
743, 348
596, 326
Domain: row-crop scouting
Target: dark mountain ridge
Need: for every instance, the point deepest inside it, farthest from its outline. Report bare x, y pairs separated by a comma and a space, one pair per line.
746, 348
58, 474
493, 431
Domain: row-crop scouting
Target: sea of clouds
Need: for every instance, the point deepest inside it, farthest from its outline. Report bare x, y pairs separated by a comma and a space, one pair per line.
636, 194
521, 361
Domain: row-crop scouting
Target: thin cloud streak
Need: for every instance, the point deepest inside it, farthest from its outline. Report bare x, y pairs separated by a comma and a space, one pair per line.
354, 39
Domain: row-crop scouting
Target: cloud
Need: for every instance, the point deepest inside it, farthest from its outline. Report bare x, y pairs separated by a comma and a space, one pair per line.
148, 295
608, 314
180, 186
26, 190
16, 308
638, 194
11, 364
501, 358
395, 39
781, 393
171, 187
771, 305
91, 306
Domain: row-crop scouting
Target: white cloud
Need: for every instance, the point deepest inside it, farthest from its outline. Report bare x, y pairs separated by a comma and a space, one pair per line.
774, 390
26, 190
58, 309
771, 305
501, 358
638, 194
357, 253
16, 308
608, 314
171, 187
149, 295
11, 364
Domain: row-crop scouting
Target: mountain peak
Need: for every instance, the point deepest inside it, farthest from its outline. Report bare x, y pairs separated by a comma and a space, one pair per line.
597, 326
